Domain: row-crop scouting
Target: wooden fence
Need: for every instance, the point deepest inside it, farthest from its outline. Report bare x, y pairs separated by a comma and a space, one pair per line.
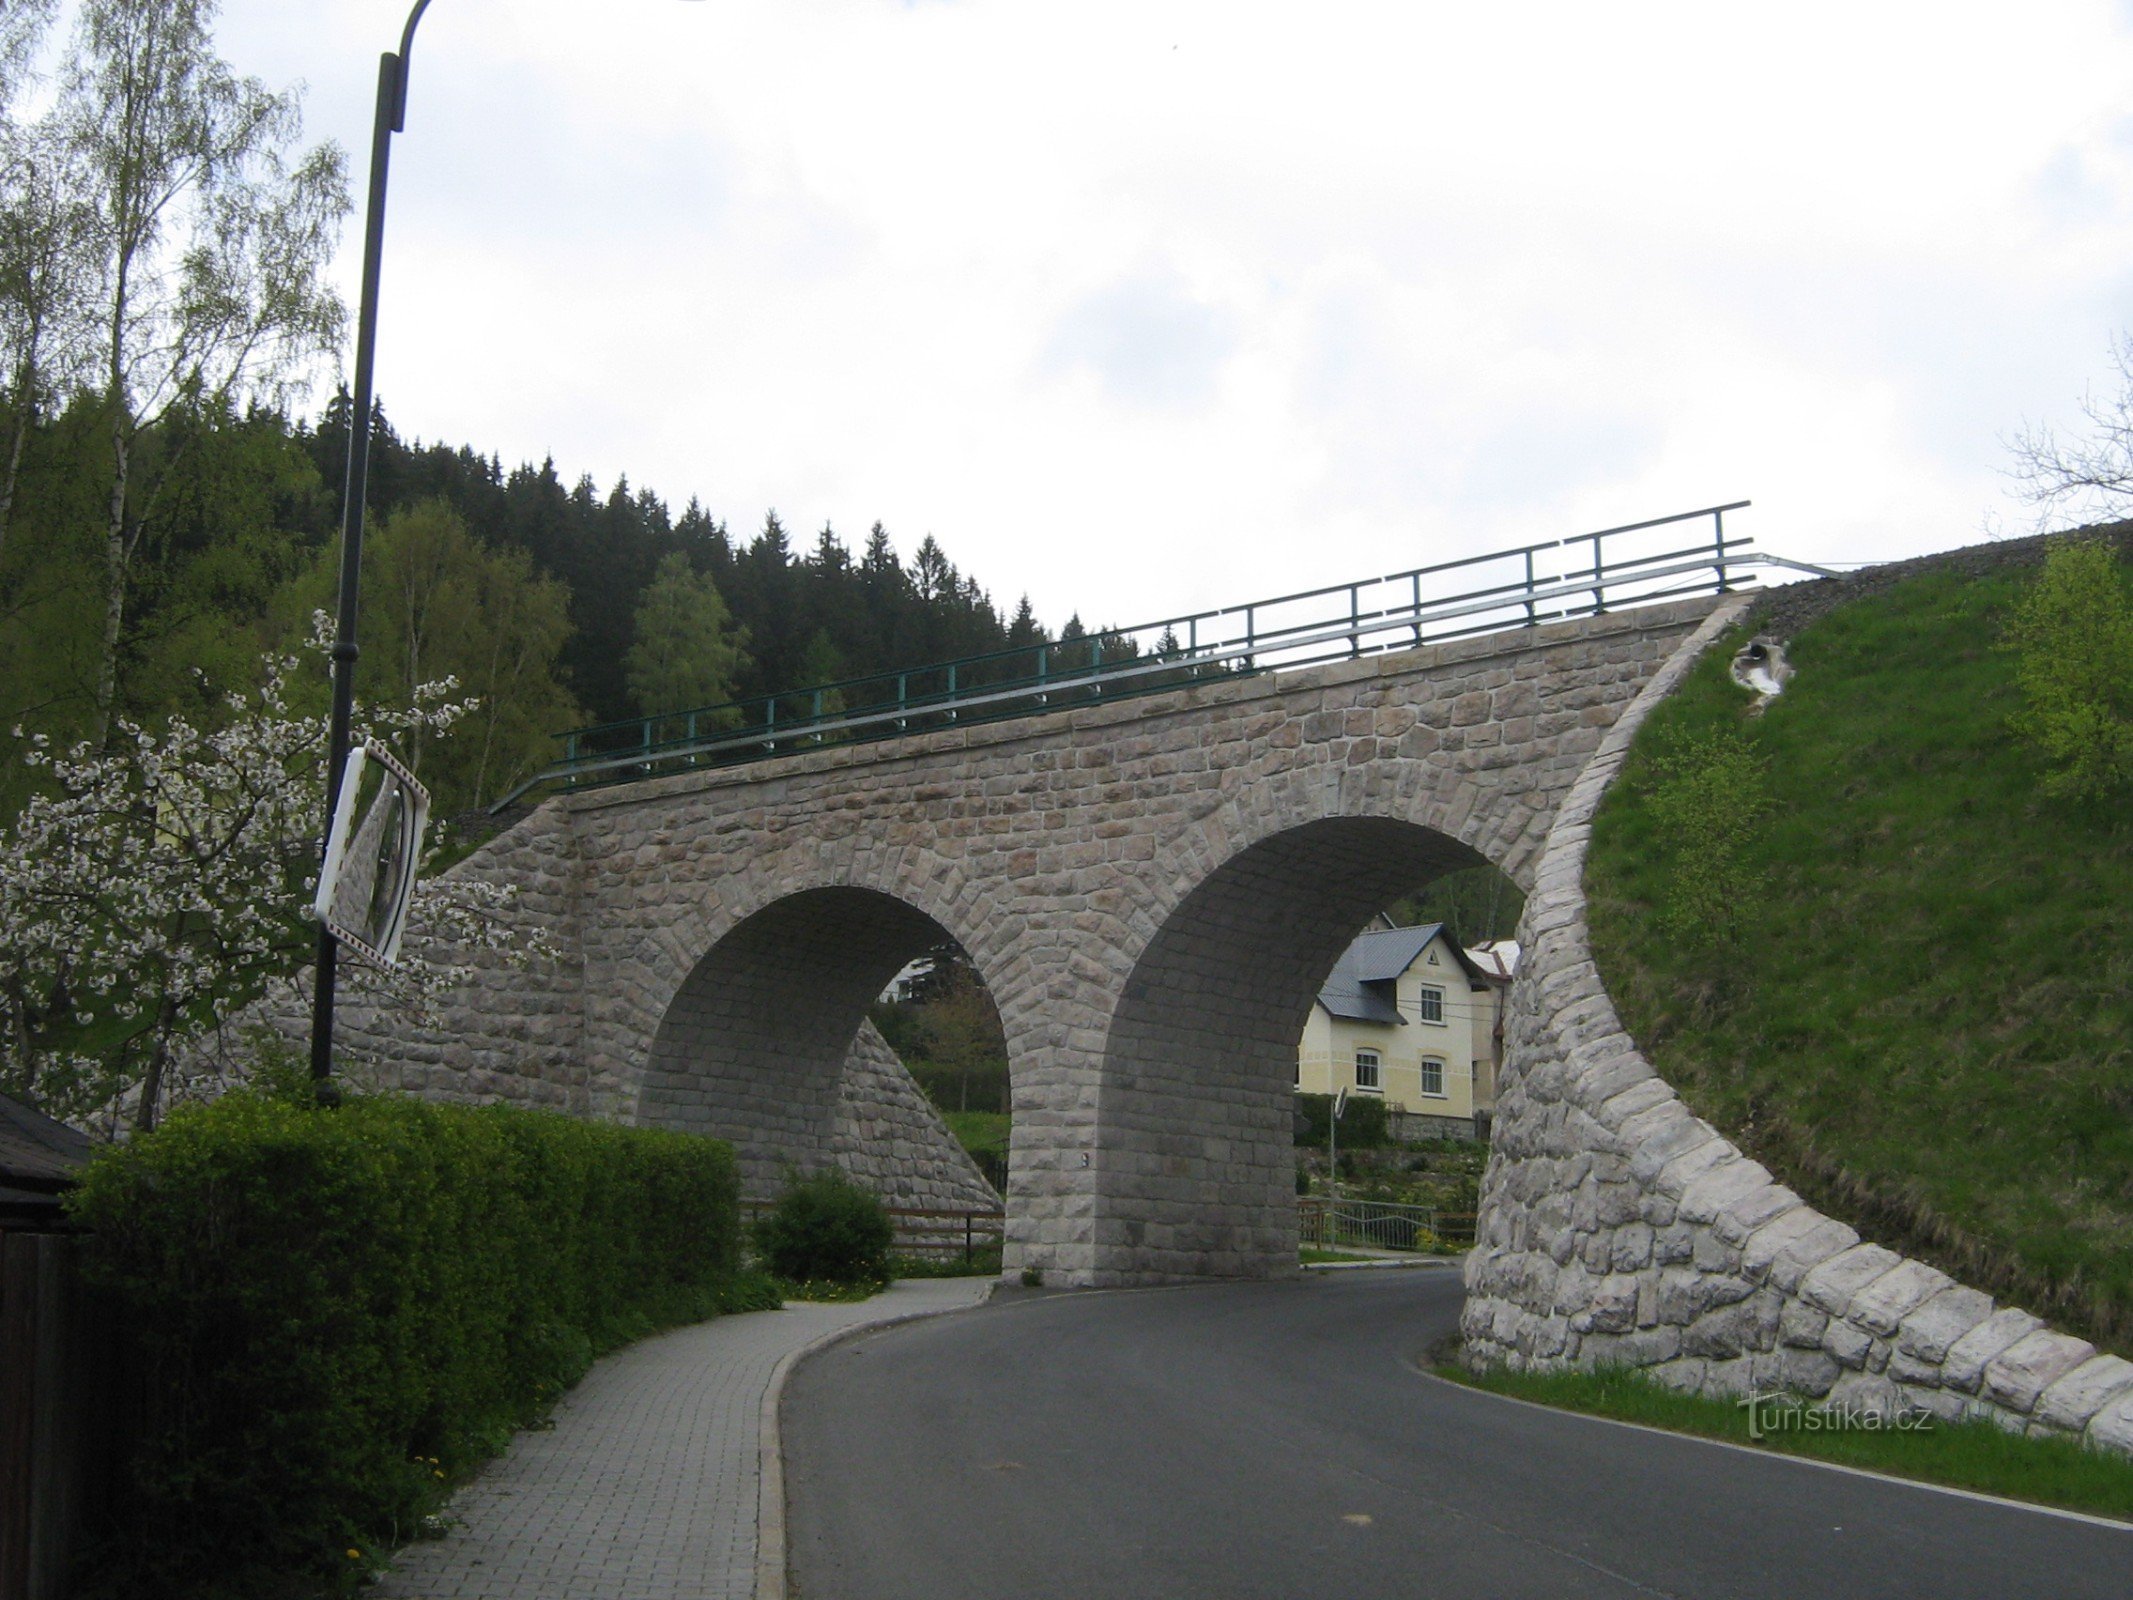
54, 1388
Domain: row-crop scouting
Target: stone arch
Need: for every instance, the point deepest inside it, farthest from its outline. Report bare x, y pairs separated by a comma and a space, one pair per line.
710, 901
1506, 832
1194, 1104
758, 1037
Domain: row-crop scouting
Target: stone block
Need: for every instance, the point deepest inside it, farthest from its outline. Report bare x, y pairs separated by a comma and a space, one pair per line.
1674, 1246
1682, 1295
1964, 1366
1906, 1368
1802, 1325
1632, 1247
1866, 1391
1642, 1348
1808, 1372
1831, 1285
1723, 1380
1613, 1308
2019, 1375
1929, 1331
1684, 1374
1776, 1236
1674, 1137
2112, 1427
2072, 1400
1723, 1334
1847, 1343
1882, 1305
1723, 1187
1639, 1097
1826, 1238
1711, 1254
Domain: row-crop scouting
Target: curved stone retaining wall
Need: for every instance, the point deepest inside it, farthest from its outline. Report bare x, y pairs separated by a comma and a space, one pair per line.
1618, 1227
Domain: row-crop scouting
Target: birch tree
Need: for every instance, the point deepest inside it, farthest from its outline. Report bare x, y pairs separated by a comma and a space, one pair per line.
22, 29
48, 276
212, 233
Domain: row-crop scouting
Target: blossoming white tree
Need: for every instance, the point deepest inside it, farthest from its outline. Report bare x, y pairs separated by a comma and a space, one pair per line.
165, 884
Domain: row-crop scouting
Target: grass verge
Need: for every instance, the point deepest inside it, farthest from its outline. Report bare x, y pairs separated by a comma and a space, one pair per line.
1978, 1456
984, 1262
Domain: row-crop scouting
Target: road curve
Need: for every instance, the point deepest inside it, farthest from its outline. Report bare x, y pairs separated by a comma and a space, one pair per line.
1241, 1441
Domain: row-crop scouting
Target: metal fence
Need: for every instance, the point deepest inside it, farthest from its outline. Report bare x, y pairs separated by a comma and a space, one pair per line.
1639, 563
1328, 1224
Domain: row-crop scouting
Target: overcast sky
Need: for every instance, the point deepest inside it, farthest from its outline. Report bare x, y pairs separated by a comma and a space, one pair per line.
1140, 307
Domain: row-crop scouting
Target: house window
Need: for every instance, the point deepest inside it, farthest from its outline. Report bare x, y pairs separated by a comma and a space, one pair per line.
1432, 1004
1366, 1069
1433, 1077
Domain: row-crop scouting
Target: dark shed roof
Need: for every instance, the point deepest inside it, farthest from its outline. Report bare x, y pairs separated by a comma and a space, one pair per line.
36, 1152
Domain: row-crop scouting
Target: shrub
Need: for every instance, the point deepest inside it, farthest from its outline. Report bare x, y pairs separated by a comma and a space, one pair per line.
328, 1316
2073, 637
1363, 1124
826, 1228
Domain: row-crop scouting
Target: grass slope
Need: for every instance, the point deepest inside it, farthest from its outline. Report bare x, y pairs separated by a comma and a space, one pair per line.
1928, 1029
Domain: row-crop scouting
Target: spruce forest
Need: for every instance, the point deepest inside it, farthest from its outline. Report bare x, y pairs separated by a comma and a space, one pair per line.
552, 603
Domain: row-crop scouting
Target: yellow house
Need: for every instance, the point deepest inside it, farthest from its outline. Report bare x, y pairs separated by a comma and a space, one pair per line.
1408, 1015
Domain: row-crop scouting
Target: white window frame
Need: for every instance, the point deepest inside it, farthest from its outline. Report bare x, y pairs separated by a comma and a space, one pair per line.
1437, 1093
1376, 1085
1429, 997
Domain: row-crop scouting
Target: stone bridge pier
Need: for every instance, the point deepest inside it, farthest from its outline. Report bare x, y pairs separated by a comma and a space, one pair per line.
1153, 890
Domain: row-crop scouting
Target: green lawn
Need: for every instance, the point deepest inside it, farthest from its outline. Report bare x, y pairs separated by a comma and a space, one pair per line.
1972, 1455
979, 1132
1926, 1026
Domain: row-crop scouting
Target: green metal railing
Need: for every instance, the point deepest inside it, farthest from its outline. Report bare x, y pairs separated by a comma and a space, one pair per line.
1519, 588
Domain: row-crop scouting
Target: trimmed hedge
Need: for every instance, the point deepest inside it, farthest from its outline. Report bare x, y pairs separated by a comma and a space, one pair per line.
330, 1316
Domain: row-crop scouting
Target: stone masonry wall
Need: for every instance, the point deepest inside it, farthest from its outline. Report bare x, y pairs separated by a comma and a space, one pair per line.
1152, 890
889, 1137
1617, 1227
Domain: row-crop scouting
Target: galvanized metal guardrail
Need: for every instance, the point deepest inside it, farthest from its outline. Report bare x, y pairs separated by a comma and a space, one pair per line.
1581, 575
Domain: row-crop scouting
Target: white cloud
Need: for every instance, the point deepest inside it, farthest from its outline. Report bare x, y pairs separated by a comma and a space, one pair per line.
1144, 306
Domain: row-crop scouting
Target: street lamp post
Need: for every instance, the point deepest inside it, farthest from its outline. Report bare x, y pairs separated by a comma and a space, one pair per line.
391, 118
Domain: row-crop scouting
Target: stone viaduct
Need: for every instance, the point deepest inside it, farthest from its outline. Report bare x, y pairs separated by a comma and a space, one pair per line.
1152, 889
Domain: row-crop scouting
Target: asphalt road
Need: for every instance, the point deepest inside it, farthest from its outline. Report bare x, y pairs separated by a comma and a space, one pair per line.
1243, 1441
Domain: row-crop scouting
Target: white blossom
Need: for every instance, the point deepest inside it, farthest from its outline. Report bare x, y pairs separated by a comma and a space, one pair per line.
161, 885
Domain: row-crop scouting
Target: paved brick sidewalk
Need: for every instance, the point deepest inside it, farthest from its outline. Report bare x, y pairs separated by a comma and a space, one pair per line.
646, 1488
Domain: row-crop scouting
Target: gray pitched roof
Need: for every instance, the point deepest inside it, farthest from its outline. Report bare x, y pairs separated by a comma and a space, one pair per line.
1360, 987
